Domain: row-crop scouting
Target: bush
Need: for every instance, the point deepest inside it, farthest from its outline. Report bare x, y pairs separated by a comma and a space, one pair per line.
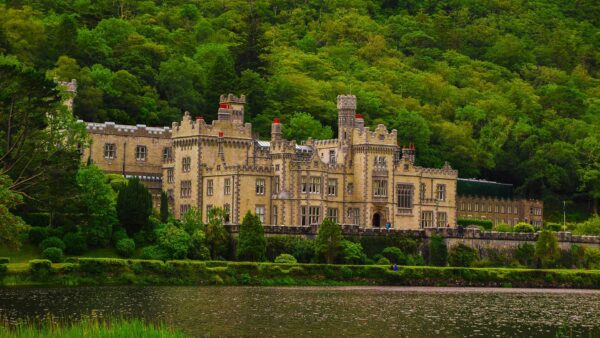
486, 224
38, 234
118, 234
304, 250
553, 227
52, 242
75, 243
40, 268
198, 248
592, 258
591, 227
174, 241
125, 247
55, 255
462, 255
352, 253
546, 249
4, 260
154, 252
438, 252
251, 239
383, 261
525, 254
328, 240
503, 227
394, 255
286, 259
523, 227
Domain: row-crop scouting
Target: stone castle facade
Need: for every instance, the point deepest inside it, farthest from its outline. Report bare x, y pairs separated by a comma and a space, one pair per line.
501, 210
363, 177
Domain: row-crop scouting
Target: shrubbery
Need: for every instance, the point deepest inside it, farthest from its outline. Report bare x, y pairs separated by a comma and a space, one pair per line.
125, 247
328, 240
547, 250
553, 226
352, 253
251, 243
154, 252
75, 243
38, 234
286, 259
523, 227
52, 242
592, 258
503, 227
591, 227
525, 254
438, 252
486, 224
174, 241
462, 255
55, 255
40, 268
394, 255
118, 234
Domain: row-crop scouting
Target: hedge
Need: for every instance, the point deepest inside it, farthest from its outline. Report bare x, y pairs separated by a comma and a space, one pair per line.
486, 224
4, 260
99, 271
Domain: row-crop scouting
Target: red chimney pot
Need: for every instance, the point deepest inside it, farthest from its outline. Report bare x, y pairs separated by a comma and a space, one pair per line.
359, 116
221, 134
199, 118
412, 146
276, 120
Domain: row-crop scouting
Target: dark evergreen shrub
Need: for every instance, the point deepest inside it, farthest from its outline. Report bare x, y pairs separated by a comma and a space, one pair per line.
134, 206
394, 255
118, 234
438, 252
462, 255
4, 260
525, 254
328, 240
52, 242
164, 207
286, 259
154, 252
304, 250
38, 234
75, 243
40, 268
251, 244
125, 247
55, 255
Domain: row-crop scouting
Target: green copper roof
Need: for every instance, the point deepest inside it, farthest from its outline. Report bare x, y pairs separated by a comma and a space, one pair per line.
474, 187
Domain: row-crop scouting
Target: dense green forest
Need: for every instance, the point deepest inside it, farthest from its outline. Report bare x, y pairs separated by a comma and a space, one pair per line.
505, 90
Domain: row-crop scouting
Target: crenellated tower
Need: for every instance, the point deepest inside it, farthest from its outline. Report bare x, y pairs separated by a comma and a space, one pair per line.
231, 108
346, 106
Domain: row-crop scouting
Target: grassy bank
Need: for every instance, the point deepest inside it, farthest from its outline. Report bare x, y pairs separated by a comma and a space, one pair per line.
108, 271
89, 328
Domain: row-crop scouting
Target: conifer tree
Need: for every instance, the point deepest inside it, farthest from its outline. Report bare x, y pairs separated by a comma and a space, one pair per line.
134, 205
329, 240
164, 207
251, 241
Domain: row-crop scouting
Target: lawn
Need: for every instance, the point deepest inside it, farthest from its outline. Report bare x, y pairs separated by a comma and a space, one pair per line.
25, 254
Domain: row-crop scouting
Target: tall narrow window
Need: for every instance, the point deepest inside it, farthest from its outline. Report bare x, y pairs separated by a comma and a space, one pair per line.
354, 216
427, 219
260, 212
422, 188
276, 185
332, 186
166, 154
260, 186
141, 153
380, 188
226, 212
303, 216
183, 209
209, 187
350, 188
227, 186
441, 193
170, 175
303, 184
313, 215
332, 214
186, 164
274, 215
332, 157
405, 196
315, 185
442, 219
110, 151
186, 189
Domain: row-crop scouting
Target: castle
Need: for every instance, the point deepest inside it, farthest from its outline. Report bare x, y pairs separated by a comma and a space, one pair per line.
363, 177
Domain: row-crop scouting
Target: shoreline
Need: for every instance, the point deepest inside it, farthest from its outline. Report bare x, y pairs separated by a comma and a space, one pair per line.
108, 271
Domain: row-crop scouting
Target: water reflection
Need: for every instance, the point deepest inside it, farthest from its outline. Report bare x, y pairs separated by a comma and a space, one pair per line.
320, 312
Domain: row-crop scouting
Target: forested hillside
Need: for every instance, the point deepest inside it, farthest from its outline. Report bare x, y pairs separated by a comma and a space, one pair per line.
505, 90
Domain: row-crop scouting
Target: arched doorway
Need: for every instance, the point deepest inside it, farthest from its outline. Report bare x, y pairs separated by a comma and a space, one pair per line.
377, 219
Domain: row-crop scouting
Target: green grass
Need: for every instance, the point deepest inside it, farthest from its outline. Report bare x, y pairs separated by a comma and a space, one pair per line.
25, 254
89, 328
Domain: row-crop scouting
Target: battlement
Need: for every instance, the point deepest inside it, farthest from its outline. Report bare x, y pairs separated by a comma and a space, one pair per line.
346, 102
198, 126
445, 170
230, 98
379, 136
140, 130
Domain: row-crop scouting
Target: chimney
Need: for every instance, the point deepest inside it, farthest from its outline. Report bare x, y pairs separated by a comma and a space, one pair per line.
409, 153
346, 106
275, 130
359, 121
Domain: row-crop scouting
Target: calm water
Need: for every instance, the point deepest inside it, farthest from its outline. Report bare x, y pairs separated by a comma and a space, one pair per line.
324, 311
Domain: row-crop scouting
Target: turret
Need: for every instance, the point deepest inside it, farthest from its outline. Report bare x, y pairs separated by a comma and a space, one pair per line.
346, 105
231, 108
275, 130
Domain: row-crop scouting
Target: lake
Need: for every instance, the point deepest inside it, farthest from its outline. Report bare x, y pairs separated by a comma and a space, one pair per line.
324, 311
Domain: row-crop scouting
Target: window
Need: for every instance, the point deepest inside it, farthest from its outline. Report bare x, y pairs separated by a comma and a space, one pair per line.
186, 189
380, 188
260, 186
183, 209
354, 215
489, 208
186, 164
441, 193
209, 187
462, 206
515, 209
332, 214
227, 186
277, 167
442, 219
110, 151
422, 188
509, 209
535, 211
141, 153
260, 212
315, 185
303, 218
426, 219
332, 187
274, 215
496, 208
276, 185
226, 212
502, 209
350, 188
332, 157
167, 154
469, 206
303, 185
405, 196
476, 207
170, 175
313, 215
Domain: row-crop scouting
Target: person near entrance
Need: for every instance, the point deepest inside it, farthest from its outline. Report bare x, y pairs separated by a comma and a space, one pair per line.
388, 225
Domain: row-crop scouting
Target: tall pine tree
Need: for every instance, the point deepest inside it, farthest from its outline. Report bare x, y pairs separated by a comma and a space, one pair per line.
134, 205
251, 241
